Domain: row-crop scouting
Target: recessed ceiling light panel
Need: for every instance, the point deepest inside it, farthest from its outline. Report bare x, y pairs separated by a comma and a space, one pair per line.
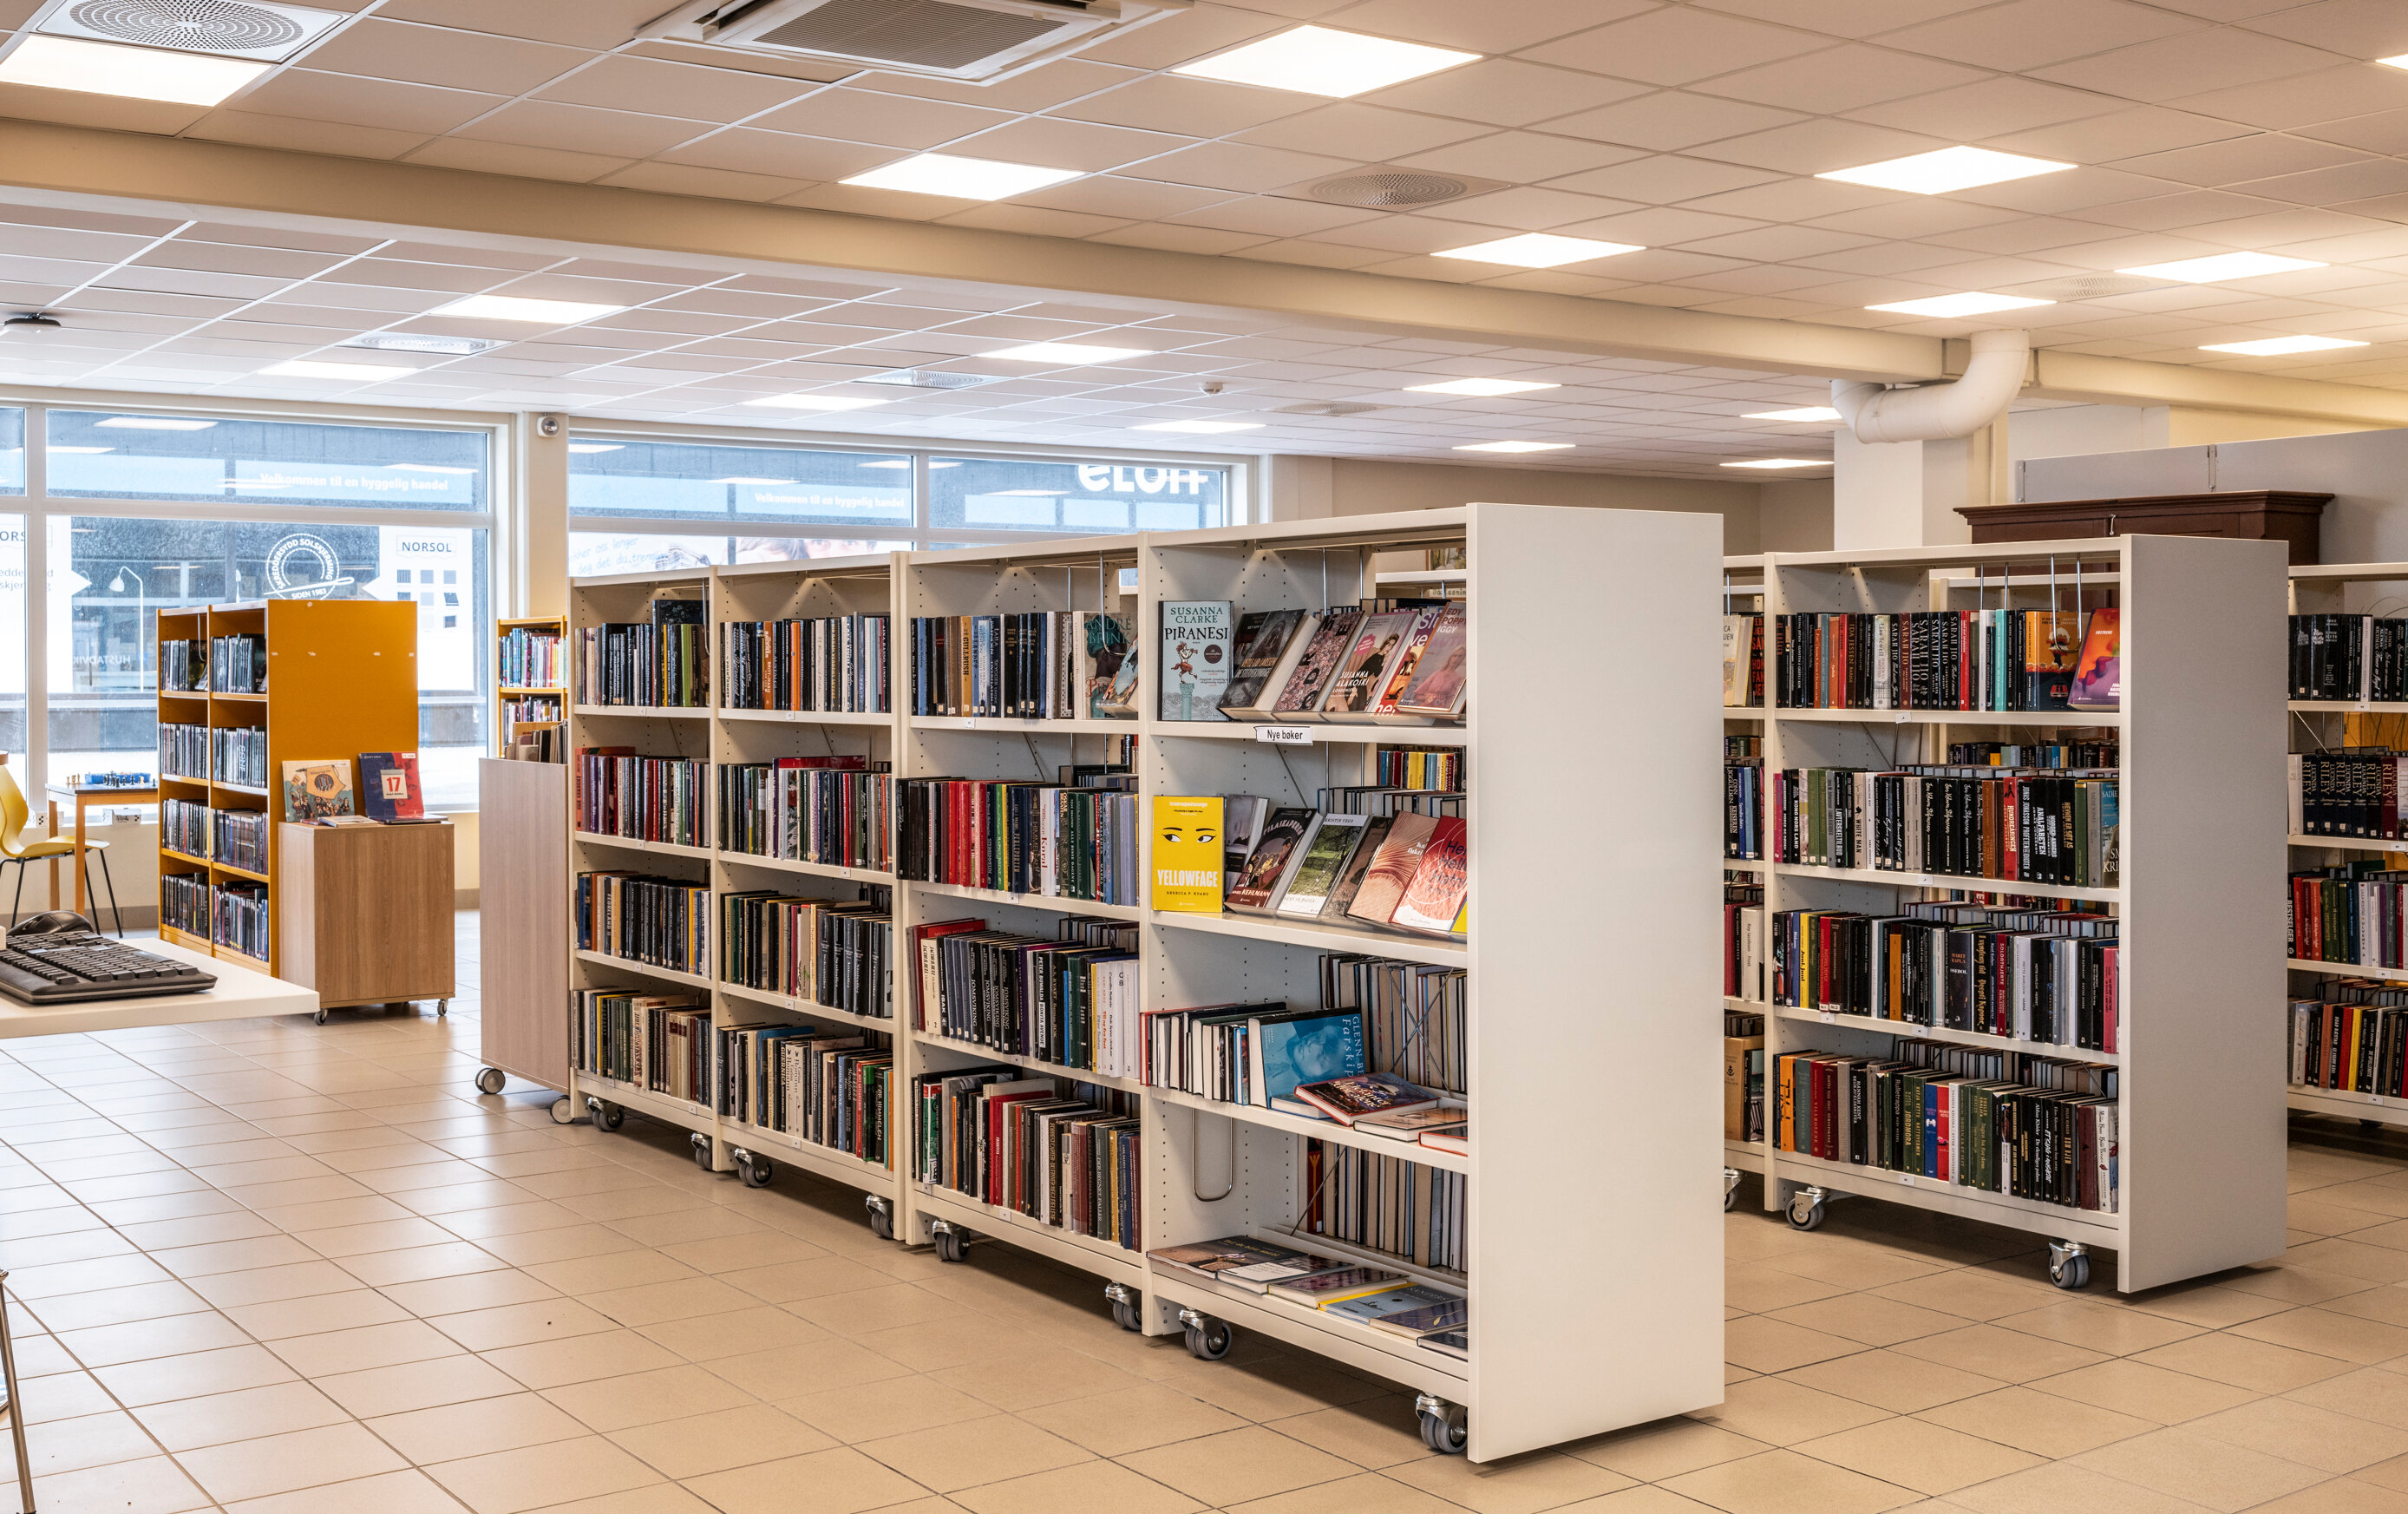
931, 379
1318, 60
2223, 265
1513, 446
960, 178
542, 312
1538, 249
1486, 388
70, 63
1201, 427
1950, 168
154, 422
1065, 354
1783, 462
1805, 415
255, 29
815, 401
1947, 307
2263, 347
403, 341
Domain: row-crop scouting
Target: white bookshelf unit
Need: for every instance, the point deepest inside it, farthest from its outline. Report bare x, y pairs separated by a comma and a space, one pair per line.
2200, 1123
1587, 922
2314, 725
1742, 594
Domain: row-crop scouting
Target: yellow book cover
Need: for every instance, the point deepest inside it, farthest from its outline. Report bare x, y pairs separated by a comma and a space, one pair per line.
1187, 855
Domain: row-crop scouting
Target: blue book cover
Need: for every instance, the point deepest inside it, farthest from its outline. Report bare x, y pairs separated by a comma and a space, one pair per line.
1307, 1049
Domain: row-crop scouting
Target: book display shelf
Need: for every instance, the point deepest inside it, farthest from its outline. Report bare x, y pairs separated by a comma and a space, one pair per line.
523, 691
2200, 1125
1742, 594
1583, 924
342, 678
2323, 725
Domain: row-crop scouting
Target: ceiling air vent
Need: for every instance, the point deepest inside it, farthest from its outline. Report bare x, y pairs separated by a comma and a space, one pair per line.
974, 40
225, 28
931, 379
1390, 190
2090, 287
403, 341
1334, 407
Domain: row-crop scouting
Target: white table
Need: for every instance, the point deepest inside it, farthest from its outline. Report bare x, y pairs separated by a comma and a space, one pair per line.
240, 994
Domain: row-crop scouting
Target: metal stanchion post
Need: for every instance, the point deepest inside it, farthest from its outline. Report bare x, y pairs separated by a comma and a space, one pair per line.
12, 1405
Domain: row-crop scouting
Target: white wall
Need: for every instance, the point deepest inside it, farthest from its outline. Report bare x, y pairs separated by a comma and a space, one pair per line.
1794, 516
1307, 488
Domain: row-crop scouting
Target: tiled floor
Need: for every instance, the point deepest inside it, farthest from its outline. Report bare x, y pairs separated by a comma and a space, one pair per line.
271, 1268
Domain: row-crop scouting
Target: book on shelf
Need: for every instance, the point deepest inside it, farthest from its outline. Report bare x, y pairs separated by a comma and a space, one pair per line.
239, 917
2099, 672
619, 793
2004, 660
1268, 645
1453, 1343
1031, 665
238, 755
1350, 1097
1406, 1126
837, 810
664, 662
649, 1039
1742, 661
1197, 658
833, 1089
1069, 1000
2348, 658
2351, 1034
1955, 1116
1214, 1052
1437, 683
1394, 866
1257, 885
1319, 1289
1309, 684
1434, 901
1242, 818
314, 790
2036, 827
1453, 1139
1743, 797
238, 663
1067, 1158
183, 668
2358, 795
830, 952
828, 664
390, 789
1420, 769
2352, 912
538, 740
1240, 1262
1054, 841
1391, 1203
1411, 1310
1744, 937
2036, 976
1118, 699
1415, 1017
1378, 643
1189, 848
659, 922
1743, 1077
530, 658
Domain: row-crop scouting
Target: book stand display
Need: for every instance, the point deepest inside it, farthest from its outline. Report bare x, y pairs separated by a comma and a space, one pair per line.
1587, 924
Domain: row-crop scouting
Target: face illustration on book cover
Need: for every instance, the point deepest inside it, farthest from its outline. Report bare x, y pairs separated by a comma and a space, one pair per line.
1311, 676
1354, 690
1187, 854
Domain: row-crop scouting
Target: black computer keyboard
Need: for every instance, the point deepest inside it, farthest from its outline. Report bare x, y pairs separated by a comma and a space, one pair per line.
66, 967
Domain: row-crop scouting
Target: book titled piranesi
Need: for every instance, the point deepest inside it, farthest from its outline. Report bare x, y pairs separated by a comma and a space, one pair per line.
1187, 854
1196, 658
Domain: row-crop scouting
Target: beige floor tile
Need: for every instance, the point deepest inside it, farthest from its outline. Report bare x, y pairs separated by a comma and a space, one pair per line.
1239, 1465
2006, 1355
1785, 1483
532, 1476
1869, 1319
2099, 1327
721, 1440
419, 1263
973, 1452
2041, 1423
1891, 1381
86, 1440
1378, 1432
1087, 1485
580, 1358
370, 1346
2321, 1439
749, 1326
285, 1463
521, 1324
266, 1285
1761, 1342
838, 1481
2061, 1488
1779, 1413
2187, 1463
150, 1485
235, 1255
2342, 1495
317, 1314
417, 1385
230, 1370
475, 1428
138, 1304
863, 1311
786, 1281
743, 1252
1916, 1453
2152, 1392
642, 1398
2348, 1335
658, 1498
2257, 1366
470, 1290
583, 1276
215, 1419
1131, 1419
791, 1370
891, 1406
1665, 1448
393, 1492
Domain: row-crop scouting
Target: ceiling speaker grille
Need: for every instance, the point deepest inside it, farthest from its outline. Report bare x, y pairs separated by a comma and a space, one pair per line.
922, 34
931, 379
190, 25
2090, 287
1389, 191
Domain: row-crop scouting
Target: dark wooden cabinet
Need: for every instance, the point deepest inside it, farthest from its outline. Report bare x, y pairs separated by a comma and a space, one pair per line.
2242, 514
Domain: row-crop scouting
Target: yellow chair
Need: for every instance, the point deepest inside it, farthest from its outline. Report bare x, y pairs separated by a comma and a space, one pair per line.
15, 851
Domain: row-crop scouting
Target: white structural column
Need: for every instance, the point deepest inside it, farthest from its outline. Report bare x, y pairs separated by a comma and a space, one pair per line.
1905, 493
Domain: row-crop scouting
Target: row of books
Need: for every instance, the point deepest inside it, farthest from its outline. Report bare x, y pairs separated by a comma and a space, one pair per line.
232, 913
1038, 665
659, 1043
1388, 1204
834, 664
519, 710
237, 838
826, 952
238, 664
183, 668
1071, 1000
1947, 659
1917, 1112
658, 664
2359, 794
833, 1088
530, 659
1415, 1016
1408, 872
1050, 840
640, 798
1417, 1314
2348, 657
2355, 913
2071, 749
1386, 662
1313, 1063
2028, 975
1743, 1077
837, 810
2035, 827
1067, 1157
226, 753
1742, 661
1744, 937
1420, 769
2352, 1036
661, 922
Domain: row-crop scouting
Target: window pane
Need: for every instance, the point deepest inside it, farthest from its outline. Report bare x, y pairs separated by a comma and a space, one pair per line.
592, 554
981, 494
12, 466
12, 643
99, 455
766, 483
109, 576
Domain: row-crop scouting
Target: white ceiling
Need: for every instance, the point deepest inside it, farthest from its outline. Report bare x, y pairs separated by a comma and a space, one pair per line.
2200, 125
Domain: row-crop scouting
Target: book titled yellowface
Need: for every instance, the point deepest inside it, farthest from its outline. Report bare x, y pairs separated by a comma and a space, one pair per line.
1187, 855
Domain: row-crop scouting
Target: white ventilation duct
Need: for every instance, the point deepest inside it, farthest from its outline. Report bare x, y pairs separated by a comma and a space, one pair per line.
1935, 412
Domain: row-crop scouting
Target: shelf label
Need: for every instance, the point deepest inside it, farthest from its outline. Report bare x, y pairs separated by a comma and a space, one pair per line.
1283, 735
1830, 1019
1907, 1179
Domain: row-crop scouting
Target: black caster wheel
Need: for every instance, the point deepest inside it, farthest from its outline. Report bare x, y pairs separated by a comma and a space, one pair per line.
702, 1152
882, 1223
442, 1009
2370, 1125
1806, 1213
1209, 1339
607, 1115
322, 1017
951, 1245
563, 1112
1127, 1312
2070, 1273
755, 1171
1445, 1429
489, 1079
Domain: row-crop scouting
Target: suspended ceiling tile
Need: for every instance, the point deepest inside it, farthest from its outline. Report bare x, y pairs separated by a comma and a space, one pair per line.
2360, 28
371, 47
1671, 118
583, 129
780, 155
2241, 159
295, 135
1235, 167
1184, 107
1137, 199
712, 183
2025, 34
1995, 107
1505, 92
1518, 156
886, 120
391, 105
671, 89
1040, 88
1049, 142
1843, 79
1371, 133
2355, 89
577, 24
1813, 147
1675, 45
2176, 66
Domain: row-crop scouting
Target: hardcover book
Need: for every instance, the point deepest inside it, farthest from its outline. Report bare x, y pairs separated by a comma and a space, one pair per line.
1435, 898
1362, 677
388, 786
2099, 677
1327, 849
1442, 676
1347, 1099
1105, 644
1268, 645
1195, 660
313, 791
1188, 851
1308, 685
1350, 881
1393, 868
1257, 884
1405, 1126
1306, 1046
1418, 1300
2048, 658
1315, 1288
1240, 1259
